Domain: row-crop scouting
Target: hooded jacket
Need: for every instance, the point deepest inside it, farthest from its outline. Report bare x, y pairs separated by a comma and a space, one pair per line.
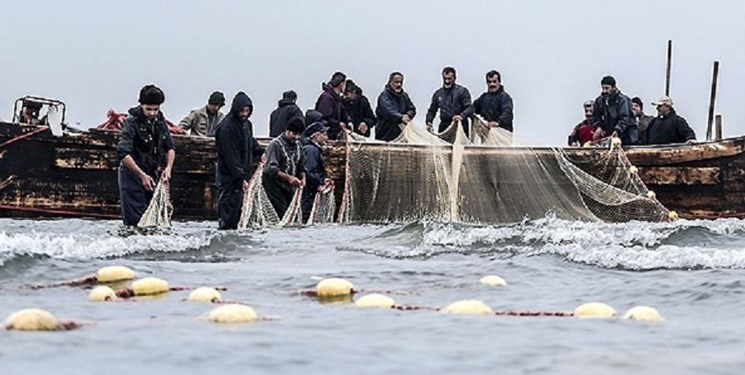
198, 122
329, 103
614, 114
667, 129
147, 142
496, 106
451, 101
286, 109
392, 106
236, 145
360, 111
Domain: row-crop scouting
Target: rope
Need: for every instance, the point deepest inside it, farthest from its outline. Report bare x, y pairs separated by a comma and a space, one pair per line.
23, 136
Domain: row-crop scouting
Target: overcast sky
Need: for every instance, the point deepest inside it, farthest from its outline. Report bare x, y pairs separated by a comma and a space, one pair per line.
96, 55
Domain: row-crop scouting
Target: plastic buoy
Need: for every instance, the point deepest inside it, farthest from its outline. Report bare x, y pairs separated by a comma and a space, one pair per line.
469, 306
31, 320
633, 169
334, 287
594, 310
232, 313
651, 195
645, 313
102, 293
375, 300
149, 286
672, 215
615, 141
205, 295
493, 280
587, 144
112, 274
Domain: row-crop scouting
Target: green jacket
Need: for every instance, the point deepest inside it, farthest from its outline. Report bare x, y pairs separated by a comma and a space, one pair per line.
197, 122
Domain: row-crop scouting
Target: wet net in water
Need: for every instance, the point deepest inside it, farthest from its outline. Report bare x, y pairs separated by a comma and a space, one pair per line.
160, 209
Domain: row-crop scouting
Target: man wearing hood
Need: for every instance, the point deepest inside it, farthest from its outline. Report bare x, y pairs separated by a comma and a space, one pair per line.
314, 166
495, 105
144, 144
284, 170
668, 127
612, 111
395, 108
203, 121
330, 104
359, 109
286, 109
453, 101
236, 150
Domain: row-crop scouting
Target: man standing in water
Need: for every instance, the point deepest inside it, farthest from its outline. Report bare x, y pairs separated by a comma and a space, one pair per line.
144, 142
612, 111
236, 148
495, 105
394, 108
285, 166
453, 101
314, 166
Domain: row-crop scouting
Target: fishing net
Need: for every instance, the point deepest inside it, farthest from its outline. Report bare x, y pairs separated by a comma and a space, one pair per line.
324, 207
160, 210
257, 210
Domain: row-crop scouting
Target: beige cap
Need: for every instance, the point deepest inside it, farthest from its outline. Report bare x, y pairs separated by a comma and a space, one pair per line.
664, 99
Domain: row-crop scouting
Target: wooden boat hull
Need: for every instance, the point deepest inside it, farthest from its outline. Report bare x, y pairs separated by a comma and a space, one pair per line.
76, 175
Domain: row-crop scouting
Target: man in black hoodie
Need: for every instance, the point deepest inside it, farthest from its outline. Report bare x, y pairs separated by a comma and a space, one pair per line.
286, 109
359, 109
284, 170
143, 144
236, 149
394, 108
453, 101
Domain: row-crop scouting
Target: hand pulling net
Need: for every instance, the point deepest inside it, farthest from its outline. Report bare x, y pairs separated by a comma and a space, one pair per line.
160, 210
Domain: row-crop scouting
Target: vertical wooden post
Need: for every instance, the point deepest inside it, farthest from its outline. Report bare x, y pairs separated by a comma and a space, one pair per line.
718, 131
669, 66
712, 100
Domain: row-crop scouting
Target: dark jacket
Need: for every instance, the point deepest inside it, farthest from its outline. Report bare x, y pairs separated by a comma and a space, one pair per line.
286, 156
452, 101
236, 146
286, 109
314, 167
496, 106
667, 129
330, 104
392, 106
614, 114
360, 111
147, 142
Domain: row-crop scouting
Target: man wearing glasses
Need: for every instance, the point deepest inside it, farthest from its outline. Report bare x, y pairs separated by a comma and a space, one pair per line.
203, 121
495, 105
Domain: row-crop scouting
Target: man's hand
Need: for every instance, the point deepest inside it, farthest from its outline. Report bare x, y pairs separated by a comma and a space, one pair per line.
493, 124
263, 157
363, 128
429, 126
147, 182
597, 134
166, 175
328, 182
294, 181
405, 119
614, 135
245, 186
457, 118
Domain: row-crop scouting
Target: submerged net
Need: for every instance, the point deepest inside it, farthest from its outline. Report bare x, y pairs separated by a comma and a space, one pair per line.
324, 207
160, 210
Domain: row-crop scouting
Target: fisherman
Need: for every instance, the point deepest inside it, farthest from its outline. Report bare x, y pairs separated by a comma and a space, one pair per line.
203, 121
286, 109
330, 104
395, 108
612, 112
236, 150
30, 113
453, 101
143, 144
667, 127
583, 132
359, 109
495, 105
285, 166
642, 119
314, 167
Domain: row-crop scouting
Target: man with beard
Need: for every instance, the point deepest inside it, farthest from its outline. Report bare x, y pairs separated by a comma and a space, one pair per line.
143, 144
330, 104
284, 170
286, 109
314, 166
203, 121
359, 109
583, 132
453, 101
667, 127
236, 149
394, 109
495, 105
612, 111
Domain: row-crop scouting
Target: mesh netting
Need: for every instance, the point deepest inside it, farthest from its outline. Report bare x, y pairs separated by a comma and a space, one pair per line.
160, 210
324, 207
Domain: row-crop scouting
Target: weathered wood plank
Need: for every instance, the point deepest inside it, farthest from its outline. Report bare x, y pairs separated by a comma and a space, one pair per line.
680, 176
670, 155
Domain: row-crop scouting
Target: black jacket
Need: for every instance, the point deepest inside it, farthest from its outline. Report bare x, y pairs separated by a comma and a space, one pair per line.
615, 115
279, 118
392, 106
360, 111
147, 142
314, 167
330, 104
496, 106
283, 155
668, 129
236, 146
452, 101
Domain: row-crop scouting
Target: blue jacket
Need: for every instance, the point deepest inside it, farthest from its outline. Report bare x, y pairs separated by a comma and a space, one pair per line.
452, 101
615, 115
392, 106
496, 106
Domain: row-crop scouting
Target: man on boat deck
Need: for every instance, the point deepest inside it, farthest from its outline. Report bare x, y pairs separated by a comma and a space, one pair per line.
286, 109
495, 105
583, 132
330, 104
359, 109
203, 121
143, 144
612, 112
314, 167
395, 108
667, 127
642, 119
236, 150
30, 113
284, 171
453, 101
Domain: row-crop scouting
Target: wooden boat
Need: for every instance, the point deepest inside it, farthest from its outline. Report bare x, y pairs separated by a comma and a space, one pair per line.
75, 175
